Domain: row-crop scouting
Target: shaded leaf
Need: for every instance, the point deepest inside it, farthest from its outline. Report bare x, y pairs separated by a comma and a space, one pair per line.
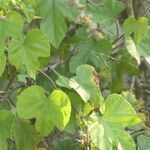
107, 13
6, 122
143, 46
90, 51
25, 136
143, 142
2, 56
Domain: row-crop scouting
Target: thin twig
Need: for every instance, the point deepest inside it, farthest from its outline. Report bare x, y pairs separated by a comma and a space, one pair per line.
54, 66
8, 39
14, 89
117, 27
7, 100
112, 58
3, 104
136, 133
145, 11
132, 83
12, 102
9, 84
118, 39
117, 46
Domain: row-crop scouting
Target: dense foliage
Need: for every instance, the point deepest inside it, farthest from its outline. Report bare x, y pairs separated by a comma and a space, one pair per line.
68, 71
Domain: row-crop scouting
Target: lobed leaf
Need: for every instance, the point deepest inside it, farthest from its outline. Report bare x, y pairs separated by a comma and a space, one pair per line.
26, 52
107, 131
86, 85
49, 111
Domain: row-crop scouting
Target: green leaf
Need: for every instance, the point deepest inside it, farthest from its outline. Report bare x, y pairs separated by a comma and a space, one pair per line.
90, 50
6, 122
63, 81
143, 142
125, 65
8, 28
2, 63
107, 131
101, 52
60, 108
63, 144
68, 10
106, 14
4, 4
85, 84
72, 125
55, 109
76, 101
139, 27
117, 109
28, 10
130, 25
9, 24
25, 136
131, 98
80, 58
2, 56
105, 134
27, 51
53, 23
143, 46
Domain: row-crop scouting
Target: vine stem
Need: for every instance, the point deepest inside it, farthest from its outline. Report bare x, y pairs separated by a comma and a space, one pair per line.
51, 80
54, 66
5, 99
14, 89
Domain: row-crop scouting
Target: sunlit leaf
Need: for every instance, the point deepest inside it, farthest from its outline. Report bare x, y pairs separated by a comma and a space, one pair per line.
49, 111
